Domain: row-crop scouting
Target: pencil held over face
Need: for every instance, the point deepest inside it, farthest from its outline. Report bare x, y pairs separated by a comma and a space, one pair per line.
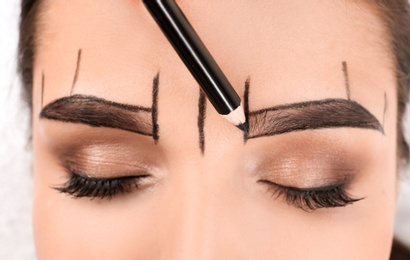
198, 60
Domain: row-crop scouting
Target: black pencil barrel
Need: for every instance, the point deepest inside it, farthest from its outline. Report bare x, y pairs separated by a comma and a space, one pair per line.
194, 54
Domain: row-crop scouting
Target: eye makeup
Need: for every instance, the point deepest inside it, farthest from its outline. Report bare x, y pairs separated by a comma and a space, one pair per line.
101, 163
310, 189
108, 160
303, 170
309, 170
105, 171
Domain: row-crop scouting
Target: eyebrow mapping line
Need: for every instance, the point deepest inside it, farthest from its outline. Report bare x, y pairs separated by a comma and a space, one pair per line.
347, 81
77, 71
246, 108
154, 112
385, 108
42, 90
98, 112
201, 120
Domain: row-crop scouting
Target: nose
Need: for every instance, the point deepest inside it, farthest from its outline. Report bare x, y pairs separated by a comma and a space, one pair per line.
197, 220
194, 219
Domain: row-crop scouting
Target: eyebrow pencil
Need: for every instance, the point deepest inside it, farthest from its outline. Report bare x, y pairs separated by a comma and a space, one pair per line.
198, 60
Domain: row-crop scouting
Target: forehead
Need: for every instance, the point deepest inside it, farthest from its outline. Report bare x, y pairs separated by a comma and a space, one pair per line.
292, 50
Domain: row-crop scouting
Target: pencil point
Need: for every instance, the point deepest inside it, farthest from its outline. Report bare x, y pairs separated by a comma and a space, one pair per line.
236, 117
244, 127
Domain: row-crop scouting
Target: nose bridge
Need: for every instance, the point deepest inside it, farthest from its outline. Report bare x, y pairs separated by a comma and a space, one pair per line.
194, 213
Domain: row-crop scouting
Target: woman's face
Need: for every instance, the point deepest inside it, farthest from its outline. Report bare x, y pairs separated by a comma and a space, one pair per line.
163, 176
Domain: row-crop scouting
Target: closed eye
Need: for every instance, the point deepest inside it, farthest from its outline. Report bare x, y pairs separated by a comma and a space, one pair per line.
311, 199
80, 186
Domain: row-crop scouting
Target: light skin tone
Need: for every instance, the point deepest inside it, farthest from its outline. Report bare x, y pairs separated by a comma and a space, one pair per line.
217, 198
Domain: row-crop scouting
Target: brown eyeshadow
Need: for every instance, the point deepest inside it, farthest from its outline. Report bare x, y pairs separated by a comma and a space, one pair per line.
103, 152
307, 160
106, 161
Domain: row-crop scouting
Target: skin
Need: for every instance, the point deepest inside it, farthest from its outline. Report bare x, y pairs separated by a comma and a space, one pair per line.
211, 205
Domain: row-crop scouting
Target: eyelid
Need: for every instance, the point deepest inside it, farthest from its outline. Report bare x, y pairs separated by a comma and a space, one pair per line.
104, 160
106, 170
79, 147
308, 159
308, 189
122, 177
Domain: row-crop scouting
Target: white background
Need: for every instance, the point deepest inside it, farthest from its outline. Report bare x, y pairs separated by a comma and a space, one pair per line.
15, 176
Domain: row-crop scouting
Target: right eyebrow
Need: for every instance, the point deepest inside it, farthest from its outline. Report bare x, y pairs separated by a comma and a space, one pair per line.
98, 112
327, 113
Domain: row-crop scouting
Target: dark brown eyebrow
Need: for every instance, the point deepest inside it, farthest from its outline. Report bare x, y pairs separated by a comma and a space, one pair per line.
98, 112
327, 113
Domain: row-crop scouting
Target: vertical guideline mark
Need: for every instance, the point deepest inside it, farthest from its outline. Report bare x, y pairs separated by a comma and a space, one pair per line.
246, 108
346, 76
201, 120
384, 110
155, 126
42, 90
77, 70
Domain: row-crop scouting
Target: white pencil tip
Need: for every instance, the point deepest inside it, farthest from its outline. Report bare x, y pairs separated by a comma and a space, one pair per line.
237, 118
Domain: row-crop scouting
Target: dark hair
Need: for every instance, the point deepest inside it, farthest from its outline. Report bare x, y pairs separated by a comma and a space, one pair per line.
396, 16
394, 13
27, 45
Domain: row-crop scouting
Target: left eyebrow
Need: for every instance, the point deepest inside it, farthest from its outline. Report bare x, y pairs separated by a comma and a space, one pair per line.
98, 112
327, 113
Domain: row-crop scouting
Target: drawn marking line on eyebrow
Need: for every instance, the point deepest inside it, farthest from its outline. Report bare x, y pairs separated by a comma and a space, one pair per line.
98, 112
42, 90
246, 107
154, 114
385, 108
347, 81
201, 120
328, 113
77, 71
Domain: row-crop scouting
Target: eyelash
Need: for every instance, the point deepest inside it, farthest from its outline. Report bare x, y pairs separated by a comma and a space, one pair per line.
314, 198
80, 186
